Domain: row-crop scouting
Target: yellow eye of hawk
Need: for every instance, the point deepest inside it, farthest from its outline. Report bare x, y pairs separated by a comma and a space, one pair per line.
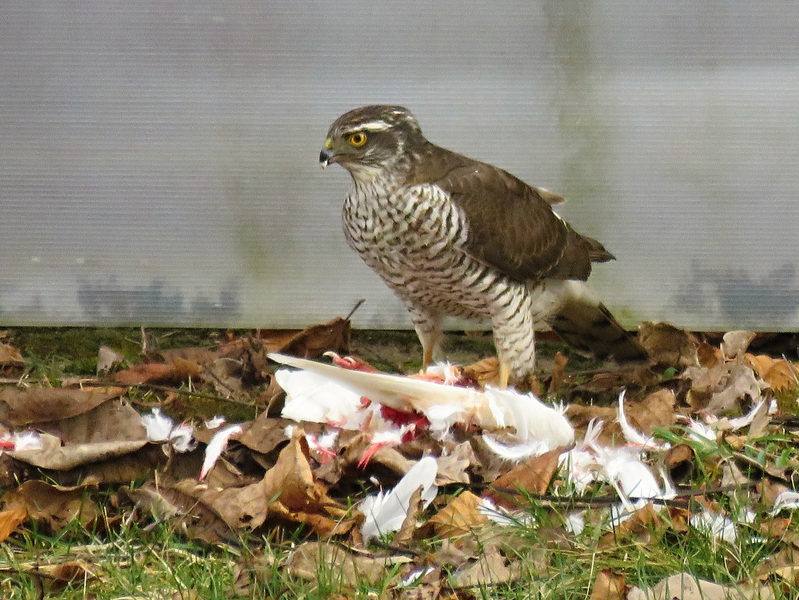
358, 139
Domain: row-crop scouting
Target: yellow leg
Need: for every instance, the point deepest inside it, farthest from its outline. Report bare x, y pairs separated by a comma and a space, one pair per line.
427, 357
504, 374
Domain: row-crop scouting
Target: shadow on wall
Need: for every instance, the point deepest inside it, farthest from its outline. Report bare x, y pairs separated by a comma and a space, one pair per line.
154, 303
737, 298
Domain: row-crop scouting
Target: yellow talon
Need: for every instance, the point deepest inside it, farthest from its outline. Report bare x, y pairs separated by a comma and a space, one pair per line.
504, 375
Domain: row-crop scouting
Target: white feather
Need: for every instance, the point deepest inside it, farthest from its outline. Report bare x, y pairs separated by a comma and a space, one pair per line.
516, 452
397, 392
716, 525
580, 463
443, 405
316, 398
386, 511
157, 425
787, 499
216, 446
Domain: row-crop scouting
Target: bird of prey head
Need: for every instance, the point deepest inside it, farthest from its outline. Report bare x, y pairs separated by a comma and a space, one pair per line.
370, 139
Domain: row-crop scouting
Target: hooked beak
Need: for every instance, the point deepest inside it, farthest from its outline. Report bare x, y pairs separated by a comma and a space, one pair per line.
324, 157
327, 155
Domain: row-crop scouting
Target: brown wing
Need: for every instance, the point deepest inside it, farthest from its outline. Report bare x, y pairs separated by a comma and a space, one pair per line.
511, 226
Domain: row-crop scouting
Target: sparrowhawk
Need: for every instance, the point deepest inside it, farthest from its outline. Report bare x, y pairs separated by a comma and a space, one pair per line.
457, 237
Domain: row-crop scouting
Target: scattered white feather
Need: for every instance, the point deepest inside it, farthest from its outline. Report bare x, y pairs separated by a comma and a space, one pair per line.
516, 452
539, 428
316, 398
19, 442
747, 516
787, 500
502, 516
215, 422
575, 523
701, 432
216, 446
634, 482
580, 462
157, 425
746, 420
447, 371
415, 577
386, 511
532, 419
182, 438
161, 428
715, 525
632, 436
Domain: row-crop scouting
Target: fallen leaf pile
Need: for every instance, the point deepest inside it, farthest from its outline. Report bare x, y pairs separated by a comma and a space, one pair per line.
422, 481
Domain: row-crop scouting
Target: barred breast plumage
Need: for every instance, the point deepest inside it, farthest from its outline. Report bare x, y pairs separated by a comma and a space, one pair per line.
455, 237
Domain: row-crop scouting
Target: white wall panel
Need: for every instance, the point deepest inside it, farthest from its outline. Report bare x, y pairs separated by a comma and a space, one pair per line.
158, 160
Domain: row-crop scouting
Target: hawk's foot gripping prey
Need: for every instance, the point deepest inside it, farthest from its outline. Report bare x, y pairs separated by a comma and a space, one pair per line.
456, 237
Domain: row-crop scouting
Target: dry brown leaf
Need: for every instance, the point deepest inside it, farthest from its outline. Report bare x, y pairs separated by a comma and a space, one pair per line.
176, 372
452, 467
678, 518
709, 356
492, 567
667, 345
605, 382
311, 342
735, 343
760, 363
291, 480
533, 476
774, 527
483, 372
459, 517
778, 373
112, 421
609, 586
770, 490
679, 463
712, 367
580, 416
136, 465
10, 357
427, 590
739, 383
639, 526
53, 455
21, 407
656, 410
266, 433
288, 491
10, 520
189, 514
241, 507
323, 526
385, 456
415, 507
52, 505
59, 576
686, 586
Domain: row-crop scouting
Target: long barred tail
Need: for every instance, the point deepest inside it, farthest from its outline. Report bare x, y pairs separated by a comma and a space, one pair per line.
591, 328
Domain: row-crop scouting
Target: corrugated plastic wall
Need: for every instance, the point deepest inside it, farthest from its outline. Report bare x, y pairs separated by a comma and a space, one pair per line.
158, 160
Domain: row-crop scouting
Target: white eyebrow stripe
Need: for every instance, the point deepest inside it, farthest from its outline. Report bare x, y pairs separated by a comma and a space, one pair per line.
378, 125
